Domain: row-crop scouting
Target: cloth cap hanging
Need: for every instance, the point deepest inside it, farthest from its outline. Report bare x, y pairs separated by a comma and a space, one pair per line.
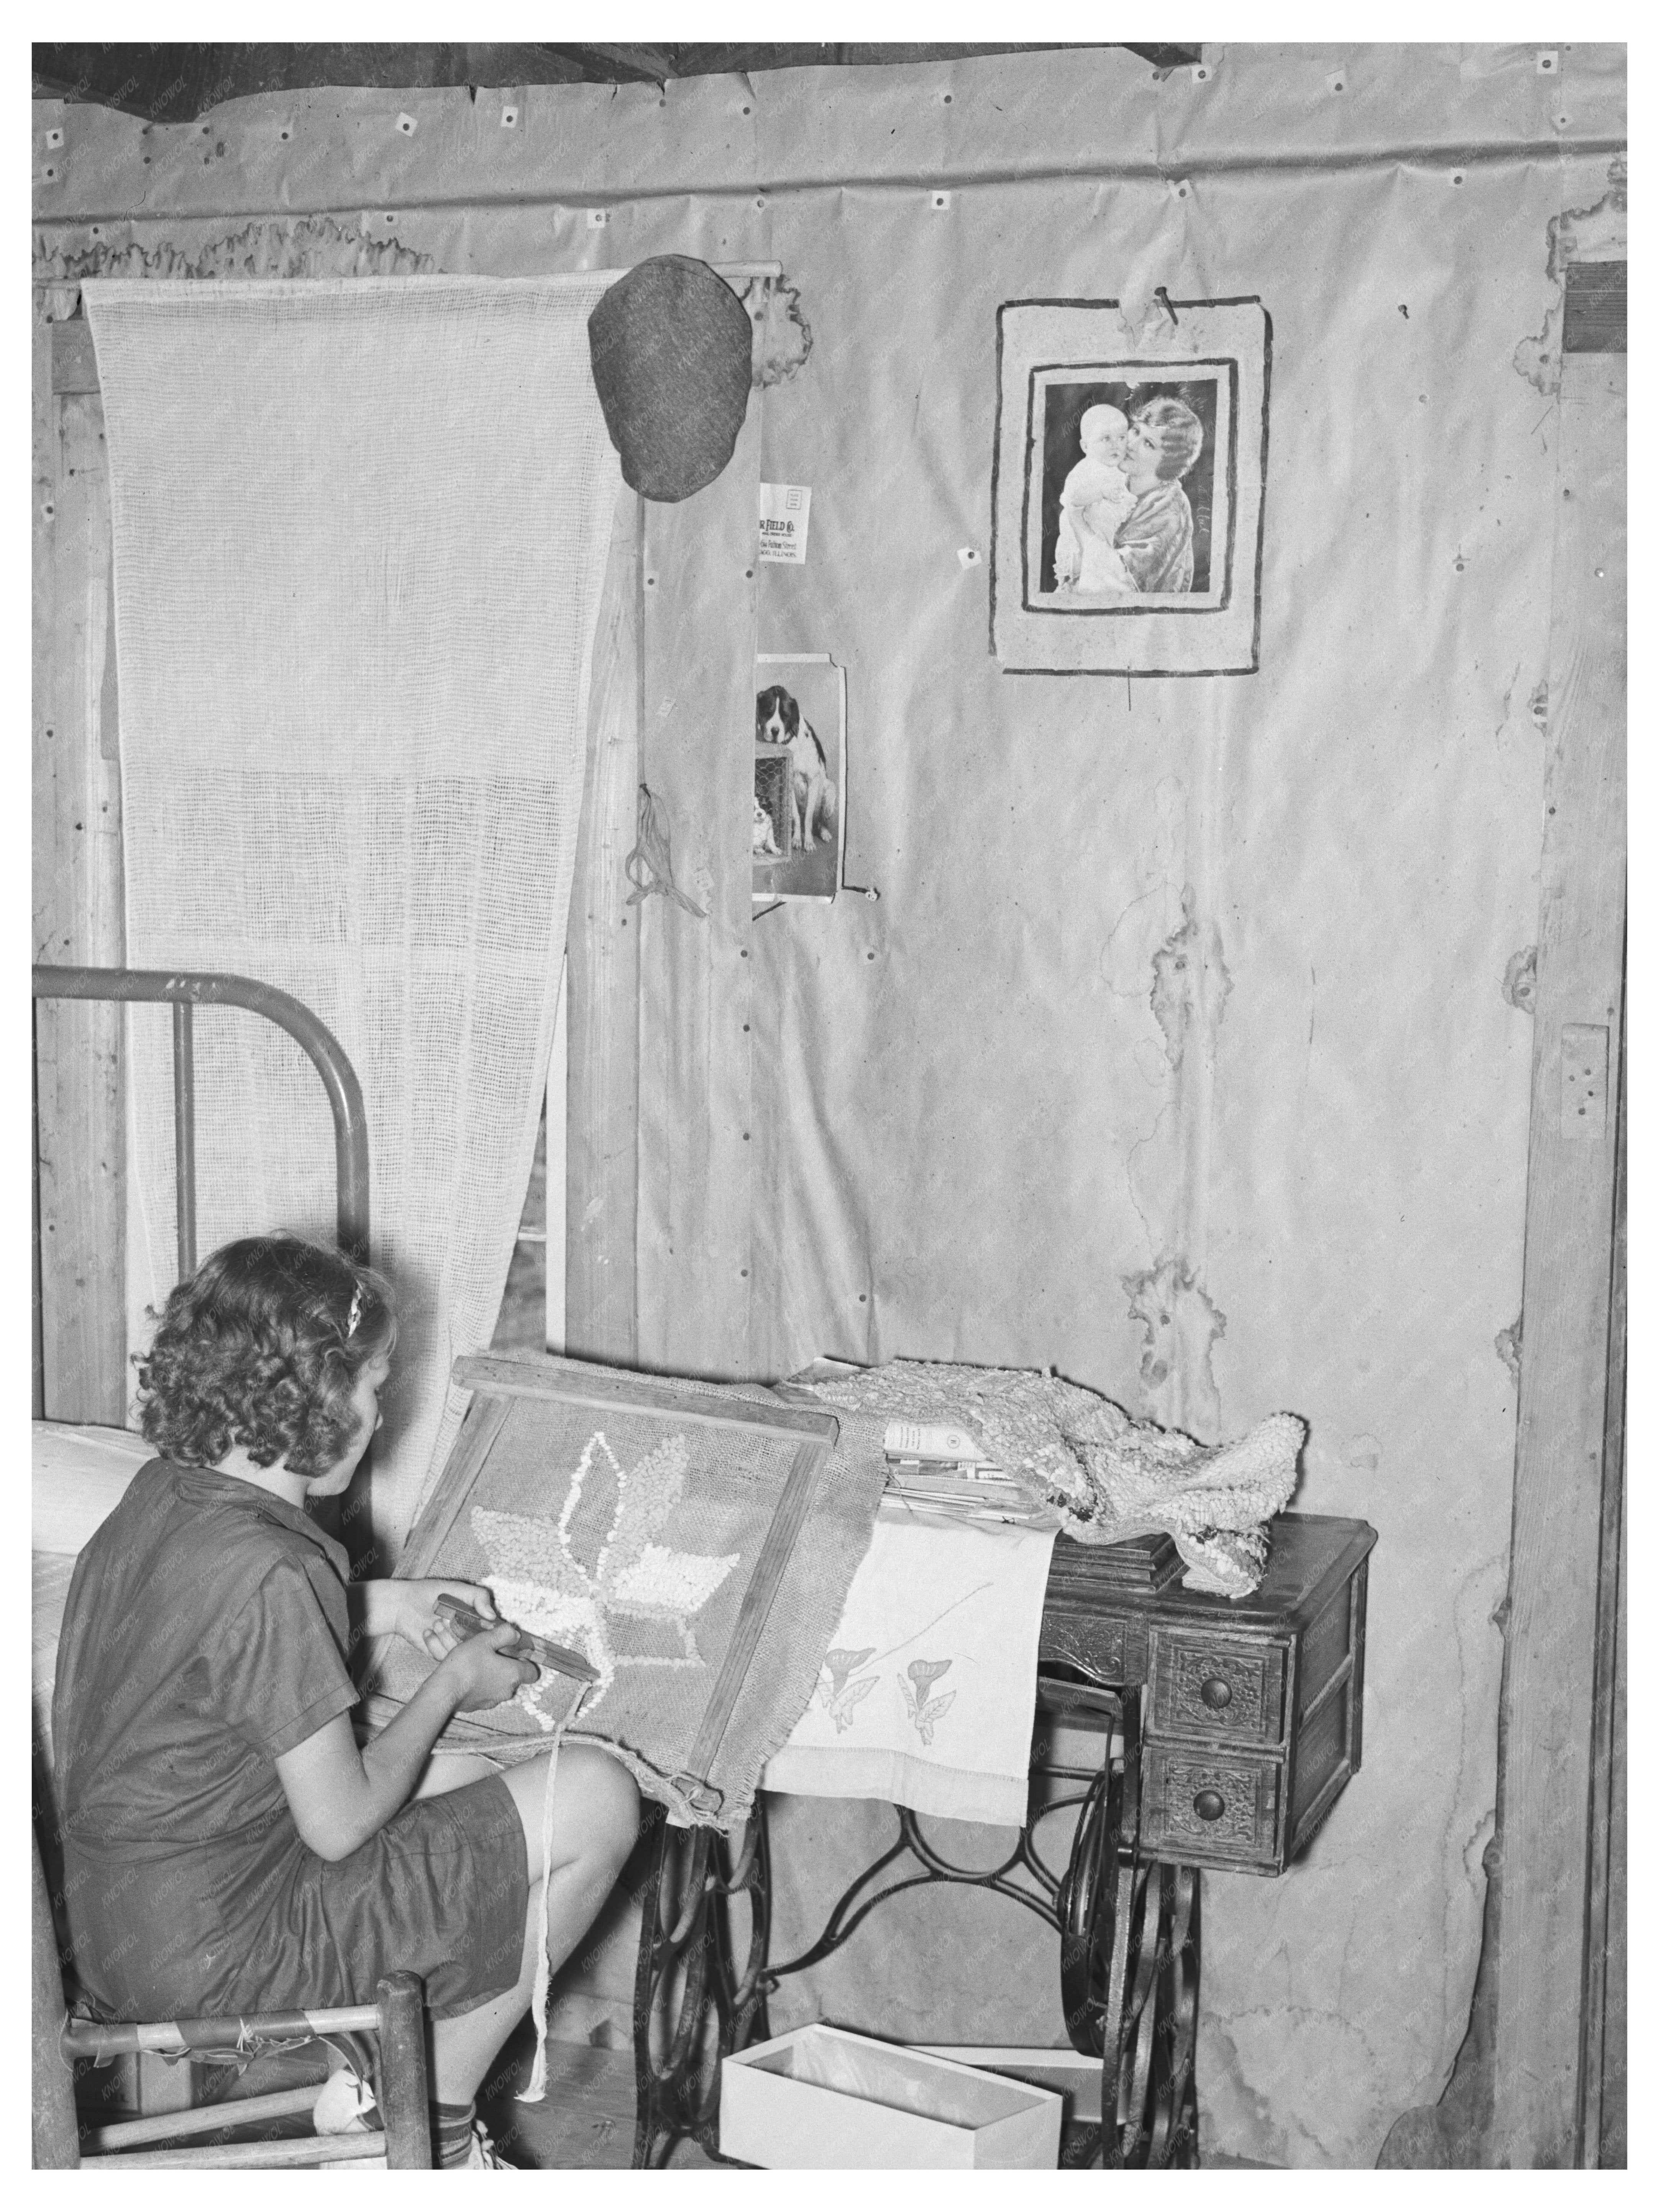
672, 347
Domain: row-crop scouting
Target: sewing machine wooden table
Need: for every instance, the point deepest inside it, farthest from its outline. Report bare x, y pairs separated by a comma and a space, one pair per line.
1227, 1729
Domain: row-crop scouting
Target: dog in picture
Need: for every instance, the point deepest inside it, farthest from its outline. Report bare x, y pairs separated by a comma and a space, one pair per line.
779, 723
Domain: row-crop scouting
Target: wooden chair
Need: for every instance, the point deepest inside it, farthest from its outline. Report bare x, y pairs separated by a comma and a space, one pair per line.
396, 2021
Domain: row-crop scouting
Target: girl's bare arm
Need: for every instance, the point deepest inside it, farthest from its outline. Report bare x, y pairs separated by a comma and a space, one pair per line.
340, 1796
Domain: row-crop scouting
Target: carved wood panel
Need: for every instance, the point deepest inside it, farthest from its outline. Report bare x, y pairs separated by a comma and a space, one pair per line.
1210, 1687
1207, 1808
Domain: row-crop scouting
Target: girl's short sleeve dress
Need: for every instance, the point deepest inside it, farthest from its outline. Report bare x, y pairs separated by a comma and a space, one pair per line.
205, 1634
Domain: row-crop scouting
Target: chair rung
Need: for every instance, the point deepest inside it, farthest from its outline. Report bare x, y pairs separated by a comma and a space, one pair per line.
302, 2150
202, 2119
91, 2038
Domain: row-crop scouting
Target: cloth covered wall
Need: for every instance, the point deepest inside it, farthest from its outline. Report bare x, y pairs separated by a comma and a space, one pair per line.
1177, 1049
360, 531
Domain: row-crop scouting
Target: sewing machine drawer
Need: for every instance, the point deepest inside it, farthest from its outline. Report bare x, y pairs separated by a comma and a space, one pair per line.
1217, 1686
1209, 1808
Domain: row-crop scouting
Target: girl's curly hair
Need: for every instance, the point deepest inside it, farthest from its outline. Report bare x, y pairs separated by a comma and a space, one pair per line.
262, 1347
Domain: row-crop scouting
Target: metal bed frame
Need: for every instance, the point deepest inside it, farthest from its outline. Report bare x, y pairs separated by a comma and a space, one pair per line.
185, 990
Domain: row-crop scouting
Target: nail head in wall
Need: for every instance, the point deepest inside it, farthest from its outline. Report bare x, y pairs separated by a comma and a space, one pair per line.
50, 174
1562, 121
968, 555
761, 202
1181, 190
941, 199
1549, 63
1457, 176
509, 118
54, 137
1337, 81
1200, 72
406, 125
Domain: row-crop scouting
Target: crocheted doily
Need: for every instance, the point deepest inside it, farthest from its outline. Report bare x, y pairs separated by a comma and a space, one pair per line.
1106, 1477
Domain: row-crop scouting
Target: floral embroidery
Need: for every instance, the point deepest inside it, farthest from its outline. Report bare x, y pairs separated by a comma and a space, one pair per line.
923, 1710
838, 1696
566, 1579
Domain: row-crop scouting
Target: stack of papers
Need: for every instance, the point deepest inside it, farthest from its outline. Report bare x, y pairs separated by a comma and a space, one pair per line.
944, 1469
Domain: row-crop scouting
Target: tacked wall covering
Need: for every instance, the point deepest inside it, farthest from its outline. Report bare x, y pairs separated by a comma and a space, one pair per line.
1177, 1048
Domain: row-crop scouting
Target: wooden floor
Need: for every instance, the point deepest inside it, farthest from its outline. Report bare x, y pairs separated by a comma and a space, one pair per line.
585, 2121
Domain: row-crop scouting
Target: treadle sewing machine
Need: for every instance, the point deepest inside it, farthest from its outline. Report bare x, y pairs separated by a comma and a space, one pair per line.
1228, 1729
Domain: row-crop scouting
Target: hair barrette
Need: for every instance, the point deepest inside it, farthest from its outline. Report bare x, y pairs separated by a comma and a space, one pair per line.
356, 1313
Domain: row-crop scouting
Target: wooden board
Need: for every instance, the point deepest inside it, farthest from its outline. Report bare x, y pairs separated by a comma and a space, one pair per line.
78, 918
1548, 1691
602, 1100
578, 1385
696, 984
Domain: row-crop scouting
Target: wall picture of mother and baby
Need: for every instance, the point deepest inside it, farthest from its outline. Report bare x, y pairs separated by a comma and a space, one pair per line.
1128, 499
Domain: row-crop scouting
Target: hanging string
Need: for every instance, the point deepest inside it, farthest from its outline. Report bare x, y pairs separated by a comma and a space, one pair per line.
536, 2089
653, 857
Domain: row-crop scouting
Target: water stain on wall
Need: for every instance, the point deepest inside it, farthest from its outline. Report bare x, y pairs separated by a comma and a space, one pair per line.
1521, 979
310, 245
1190, 983
1181, 1325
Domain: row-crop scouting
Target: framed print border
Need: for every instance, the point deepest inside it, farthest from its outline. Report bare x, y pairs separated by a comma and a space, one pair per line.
1048, 615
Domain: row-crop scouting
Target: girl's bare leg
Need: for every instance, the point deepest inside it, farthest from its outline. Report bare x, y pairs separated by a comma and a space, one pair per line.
596, 1817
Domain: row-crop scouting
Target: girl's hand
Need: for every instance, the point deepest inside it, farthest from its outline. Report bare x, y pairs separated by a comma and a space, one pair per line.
413, 1616
481, 1673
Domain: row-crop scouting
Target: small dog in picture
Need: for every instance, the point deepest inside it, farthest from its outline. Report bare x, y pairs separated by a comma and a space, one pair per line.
779, 721
762, 842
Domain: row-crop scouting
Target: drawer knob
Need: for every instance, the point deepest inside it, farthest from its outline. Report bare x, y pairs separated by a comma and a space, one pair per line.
1209, 1804
1217, 1694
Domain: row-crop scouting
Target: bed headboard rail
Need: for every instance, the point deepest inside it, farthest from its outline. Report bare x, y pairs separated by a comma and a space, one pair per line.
184, 992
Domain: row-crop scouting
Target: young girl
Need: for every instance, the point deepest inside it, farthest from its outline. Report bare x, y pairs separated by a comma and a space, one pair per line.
228, 1848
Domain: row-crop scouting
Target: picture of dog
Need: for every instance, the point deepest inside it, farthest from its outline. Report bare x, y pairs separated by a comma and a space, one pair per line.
779, 723
761, 843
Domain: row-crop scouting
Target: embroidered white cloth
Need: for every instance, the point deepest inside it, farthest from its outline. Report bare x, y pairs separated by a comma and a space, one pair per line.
927, 1690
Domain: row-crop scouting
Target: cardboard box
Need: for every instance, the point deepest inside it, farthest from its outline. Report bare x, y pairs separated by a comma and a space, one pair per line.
820, 2100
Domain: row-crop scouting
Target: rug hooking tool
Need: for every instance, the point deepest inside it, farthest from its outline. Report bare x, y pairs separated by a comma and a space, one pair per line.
555, 1657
